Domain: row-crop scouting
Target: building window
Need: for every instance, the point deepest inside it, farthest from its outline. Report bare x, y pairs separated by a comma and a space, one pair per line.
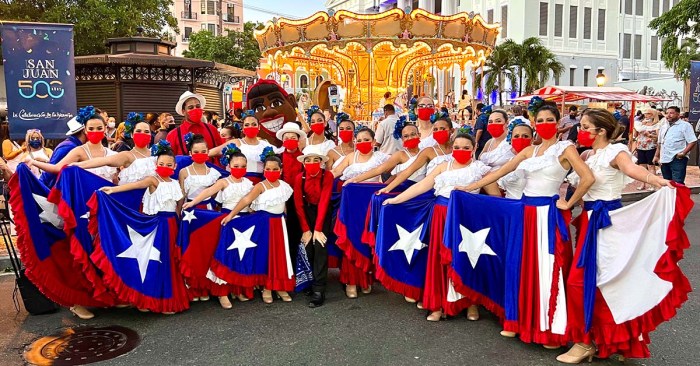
504, 21
587, 15
666, 5
655, 8
654, 51
489, 16
319, 80
203, 6
211, 7
211, 28
558, 19
628, 7
556, 80
304, 81
601, 24
572, 76
637, 46
639, 8
626, 44
586, 74
438, 7
544, 18
573, 21
188, 32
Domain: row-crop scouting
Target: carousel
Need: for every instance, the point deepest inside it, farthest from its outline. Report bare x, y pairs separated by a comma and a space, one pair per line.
368, 55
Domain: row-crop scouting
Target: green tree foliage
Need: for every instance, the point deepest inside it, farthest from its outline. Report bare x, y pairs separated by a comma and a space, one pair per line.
95, 20
239, 49
498, 67
679, 28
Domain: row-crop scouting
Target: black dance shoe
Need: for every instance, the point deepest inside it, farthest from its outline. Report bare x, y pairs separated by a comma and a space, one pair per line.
317, 299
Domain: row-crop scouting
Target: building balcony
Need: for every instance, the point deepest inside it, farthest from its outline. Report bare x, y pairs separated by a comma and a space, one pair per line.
188, 15
185, 39
232, 18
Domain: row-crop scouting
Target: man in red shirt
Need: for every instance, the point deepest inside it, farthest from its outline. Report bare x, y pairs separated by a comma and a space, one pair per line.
191, 106
312, 198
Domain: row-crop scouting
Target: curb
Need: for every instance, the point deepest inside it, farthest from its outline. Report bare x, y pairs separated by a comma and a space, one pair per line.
636, 196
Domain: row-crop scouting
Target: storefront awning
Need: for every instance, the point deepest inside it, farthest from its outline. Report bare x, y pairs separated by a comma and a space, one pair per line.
575, 93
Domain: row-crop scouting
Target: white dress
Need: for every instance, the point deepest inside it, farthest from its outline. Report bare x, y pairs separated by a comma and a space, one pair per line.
234, 193
273, 200
427, 142
544, 174
41, 155
417, 175
355, 169
446, 181
497, 157
324, 147
194, 184
609, 182
106, 172
163, 199
513, 184
139, 169
437, 160
252, 154
339, 160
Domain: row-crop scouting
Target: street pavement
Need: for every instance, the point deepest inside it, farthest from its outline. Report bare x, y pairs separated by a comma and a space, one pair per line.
376, 329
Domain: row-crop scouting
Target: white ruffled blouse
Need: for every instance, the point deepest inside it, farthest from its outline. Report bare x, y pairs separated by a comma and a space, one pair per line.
324, 147
417, 175
252, 154
609, 182
497, 157
354, 169
163, 199
234, 193
106, 172
138, 170
446, 181
194, 184
273, 200
544, 174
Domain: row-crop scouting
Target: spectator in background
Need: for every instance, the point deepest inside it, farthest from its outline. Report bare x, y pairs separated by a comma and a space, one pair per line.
568, 122
35, 149
624, 121
384, 138
152, 120
385, 100
676, 140
166, 123
215, 119
332, 124
464, 106
12, 152
646, 134
482, 135
110, 130
120, 143
518, 115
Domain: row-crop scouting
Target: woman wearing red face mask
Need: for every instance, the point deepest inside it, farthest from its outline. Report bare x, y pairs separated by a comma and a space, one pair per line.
312, 197
346, 141
497, 150
270, 195
425, 108
163, 197
197, 176
544, 168
520, 137
400, 160
95, 131
462, 168
363, 160
430, 157
293, 140
320, 134
137, 163
229, 192
251, 146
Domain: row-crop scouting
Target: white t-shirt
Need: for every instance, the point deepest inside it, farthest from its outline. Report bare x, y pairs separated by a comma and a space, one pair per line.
385, 135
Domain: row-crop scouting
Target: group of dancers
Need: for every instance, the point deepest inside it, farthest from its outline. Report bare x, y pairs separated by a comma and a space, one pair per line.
300, 185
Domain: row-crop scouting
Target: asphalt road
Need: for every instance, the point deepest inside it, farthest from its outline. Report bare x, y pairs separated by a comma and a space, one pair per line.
375, 329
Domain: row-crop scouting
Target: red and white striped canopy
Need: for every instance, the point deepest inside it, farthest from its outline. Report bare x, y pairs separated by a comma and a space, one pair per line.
574, 93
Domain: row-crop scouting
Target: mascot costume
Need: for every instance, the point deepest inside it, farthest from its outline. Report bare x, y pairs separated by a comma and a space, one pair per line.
273, 107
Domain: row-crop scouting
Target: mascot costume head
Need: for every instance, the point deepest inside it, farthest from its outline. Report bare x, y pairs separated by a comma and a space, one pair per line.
272, 106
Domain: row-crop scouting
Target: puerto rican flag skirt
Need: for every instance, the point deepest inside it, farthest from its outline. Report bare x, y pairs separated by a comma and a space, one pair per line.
635, 282
546, 258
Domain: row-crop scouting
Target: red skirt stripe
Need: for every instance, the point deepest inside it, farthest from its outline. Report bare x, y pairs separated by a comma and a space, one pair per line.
277, 276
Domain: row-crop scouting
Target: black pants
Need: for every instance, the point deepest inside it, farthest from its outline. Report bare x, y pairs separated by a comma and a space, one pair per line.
317, 253
293, 230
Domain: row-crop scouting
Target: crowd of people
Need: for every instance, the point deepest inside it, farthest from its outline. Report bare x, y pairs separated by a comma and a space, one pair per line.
524, 154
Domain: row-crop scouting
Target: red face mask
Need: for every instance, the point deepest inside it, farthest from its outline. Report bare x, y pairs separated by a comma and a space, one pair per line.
318, 128
441, 136
272, 175
251, 132
290, 145
141, 140
411, 143
164, 171
425, 113
495, 129
345, 135
520, 143
238, 173
95, 137
584, 138
364, 147
312, 168
462, 156
200, 158
195, 115
546, 130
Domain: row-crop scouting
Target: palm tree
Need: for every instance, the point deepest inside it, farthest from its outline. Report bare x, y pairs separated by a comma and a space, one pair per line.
538, 63
498, 67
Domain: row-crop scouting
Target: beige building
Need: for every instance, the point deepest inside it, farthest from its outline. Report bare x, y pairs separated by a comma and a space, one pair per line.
212, 15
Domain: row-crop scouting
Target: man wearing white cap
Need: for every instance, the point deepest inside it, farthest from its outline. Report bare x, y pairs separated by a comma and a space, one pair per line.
76, 137
191, 106
293, 140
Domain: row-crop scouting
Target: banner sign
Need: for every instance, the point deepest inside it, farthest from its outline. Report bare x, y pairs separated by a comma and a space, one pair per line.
39, 77
694, 106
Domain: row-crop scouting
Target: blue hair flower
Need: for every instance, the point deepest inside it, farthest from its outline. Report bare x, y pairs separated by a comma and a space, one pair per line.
358, 128
188, 139
227, 153
535, 104
466, 129
342, 116
440, 115
412, 116
85, 113
310, 112
511, 126
398, 127
132, 119
161, 147
248, 113
267, 152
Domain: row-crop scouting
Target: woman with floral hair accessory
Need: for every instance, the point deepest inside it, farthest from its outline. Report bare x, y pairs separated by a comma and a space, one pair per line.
320, 133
